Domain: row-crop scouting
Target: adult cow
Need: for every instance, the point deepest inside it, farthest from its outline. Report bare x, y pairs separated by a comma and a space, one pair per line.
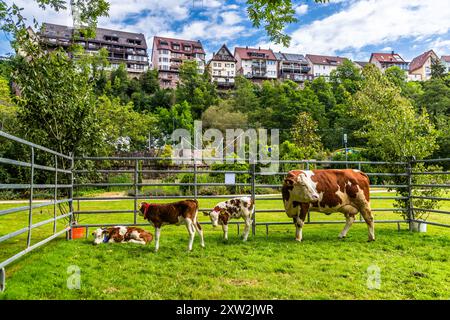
328, 191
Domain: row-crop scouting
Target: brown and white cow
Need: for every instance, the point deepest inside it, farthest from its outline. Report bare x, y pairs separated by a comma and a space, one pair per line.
232, 209
328, 191
120, 234
181, 212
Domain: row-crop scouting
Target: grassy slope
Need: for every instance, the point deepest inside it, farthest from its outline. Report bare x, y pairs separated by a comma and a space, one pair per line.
413, 266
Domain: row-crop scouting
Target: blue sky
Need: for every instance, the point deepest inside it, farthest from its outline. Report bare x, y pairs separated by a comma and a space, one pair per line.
351, 28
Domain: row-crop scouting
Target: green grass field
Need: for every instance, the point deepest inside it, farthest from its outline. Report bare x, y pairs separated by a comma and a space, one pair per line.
412, 265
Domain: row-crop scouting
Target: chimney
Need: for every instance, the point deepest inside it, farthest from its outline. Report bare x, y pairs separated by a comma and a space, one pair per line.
393, 52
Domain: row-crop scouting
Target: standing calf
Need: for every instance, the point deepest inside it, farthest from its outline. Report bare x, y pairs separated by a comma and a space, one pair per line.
181, 212
232, 209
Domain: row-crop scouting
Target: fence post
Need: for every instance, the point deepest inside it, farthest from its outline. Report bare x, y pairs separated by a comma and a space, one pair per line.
136, 168
55, 196
409, 205
71, 217
195, 178
2, 279
30, 200
253, 178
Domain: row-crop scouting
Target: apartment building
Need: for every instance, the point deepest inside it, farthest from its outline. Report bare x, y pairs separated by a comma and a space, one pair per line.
420, 67
384, 61
123, 47
256, 64
168, 54
446, 61
222, 68
322, 66
294, 67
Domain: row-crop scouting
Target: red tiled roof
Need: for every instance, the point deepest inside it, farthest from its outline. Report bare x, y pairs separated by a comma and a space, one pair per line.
325, 60
446, 58
387, 57
245, 53
157, 44
419, 61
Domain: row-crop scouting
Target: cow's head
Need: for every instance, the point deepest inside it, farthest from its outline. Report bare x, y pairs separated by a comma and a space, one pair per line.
302, 185
213, 215
142, 207
100, 235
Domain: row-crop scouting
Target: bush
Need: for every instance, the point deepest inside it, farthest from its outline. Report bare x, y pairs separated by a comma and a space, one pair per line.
120, 178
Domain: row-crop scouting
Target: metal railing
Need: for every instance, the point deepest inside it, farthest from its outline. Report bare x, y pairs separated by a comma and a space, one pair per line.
252, 184
32, 205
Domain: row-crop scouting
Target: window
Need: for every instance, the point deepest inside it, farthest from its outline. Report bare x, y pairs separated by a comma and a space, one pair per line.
134, 41
227, 65
163, 43
215, 64
219, 65
111, 38
187, 48
176, 47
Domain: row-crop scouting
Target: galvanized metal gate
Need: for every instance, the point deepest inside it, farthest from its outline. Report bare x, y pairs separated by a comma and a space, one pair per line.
32, 204
403, 170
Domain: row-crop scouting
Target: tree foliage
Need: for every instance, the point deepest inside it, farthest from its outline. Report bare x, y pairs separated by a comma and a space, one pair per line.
273, 15
394, 130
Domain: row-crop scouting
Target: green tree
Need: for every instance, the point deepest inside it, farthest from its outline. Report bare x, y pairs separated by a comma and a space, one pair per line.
149, 81
324, 92
438, 70
223, 117
346, 75
195, 88
435, 98
397, 76
274, 15
118, 122
178, 116
305, 136
87, 12
56, 105
394, 131
8, 110
244, 96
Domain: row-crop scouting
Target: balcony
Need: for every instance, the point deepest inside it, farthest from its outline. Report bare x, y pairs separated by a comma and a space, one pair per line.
297, 77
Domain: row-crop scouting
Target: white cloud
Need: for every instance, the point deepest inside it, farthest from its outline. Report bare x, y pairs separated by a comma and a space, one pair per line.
301, 9
231, 17
373, 22
441, 46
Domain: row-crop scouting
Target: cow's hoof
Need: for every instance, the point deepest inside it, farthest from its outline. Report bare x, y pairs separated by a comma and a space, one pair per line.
342, 237
298, 240
371, 240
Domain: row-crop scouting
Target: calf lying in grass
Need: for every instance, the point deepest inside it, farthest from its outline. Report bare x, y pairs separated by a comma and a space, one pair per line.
122, 234
232, 209
181, 212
